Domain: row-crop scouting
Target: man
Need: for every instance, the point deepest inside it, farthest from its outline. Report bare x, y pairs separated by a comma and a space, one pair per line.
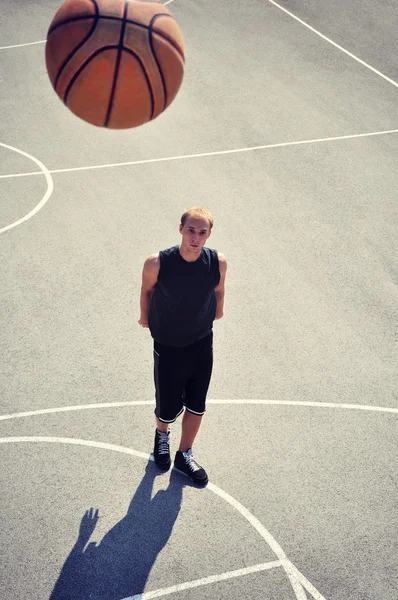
182, 294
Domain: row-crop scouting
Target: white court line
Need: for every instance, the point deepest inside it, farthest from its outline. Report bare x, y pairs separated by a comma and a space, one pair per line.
248, 401
359, 60
21, 45
294, 575
45, 411
297, 580
189, 585
50, 187
205, 154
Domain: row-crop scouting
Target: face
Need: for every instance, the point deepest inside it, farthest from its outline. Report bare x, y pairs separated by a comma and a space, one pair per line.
195, 234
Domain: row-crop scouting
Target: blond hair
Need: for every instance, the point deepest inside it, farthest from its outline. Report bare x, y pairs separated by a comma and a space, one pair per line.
197, 212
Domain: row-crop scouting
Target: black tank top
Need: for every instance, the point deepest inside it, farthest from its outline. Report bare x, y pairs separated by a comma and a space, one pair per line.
183, 304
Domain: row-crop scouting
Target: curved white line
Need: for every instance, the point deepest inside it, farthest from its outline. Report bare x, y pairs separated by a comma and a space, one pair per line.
62, 409
359, 60
265, 534
45, 411
291, 571
50, 187
205, 154
367, 407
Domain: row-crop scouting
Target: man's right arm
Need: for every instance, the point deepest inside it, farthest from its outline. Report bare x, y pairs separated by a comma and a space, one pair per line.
150, 274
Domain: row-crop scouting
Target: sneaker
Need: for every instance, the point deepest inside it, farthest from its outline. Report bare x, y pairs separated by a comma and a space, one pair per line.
185, 463
161, 450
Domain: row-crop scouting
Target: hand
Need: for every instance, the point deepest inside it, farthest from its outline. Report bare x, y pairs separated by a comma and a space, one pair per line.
218, 316
143, 323
88, 524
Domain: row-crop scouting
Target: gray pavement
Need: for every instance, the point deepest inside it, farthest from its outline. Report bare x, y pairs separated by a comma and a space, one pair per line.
310, 233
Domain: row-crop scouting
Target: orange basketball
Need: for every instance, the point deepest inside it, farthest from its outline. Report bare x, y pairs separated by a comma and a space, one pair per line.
115, 63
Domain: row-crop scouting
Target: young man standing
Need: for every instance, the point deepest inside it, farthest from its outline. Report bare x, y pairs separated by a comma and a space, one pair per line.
182, 294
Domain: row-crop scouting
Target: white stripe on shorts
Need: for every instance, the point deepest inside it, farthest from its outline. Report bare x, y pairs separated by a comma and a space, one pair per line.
200, 414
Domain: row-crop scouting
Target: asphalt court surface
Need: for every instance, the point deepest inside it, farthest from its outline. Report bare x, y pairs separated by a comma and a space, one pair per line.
302, 497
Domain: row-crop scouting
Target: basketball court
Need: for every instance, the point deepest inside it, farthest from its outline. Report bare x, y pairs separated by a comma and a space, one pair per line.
285, 128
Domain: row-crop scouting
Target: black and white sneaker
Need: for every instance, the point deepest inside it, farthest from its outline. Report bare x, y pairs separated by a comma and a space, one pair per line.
185, 463
161, 451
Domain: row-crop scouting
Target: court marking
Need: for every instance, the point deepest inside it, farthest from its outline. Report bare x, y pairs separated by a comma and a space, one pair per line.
247, 401
44, 41
297, 580
50, 187
206, 154
22, 45
324, 37
189, 585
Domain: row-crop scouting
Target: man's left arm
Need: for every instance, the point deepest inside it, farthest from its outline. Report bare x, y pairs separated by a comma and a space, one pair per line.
220, 289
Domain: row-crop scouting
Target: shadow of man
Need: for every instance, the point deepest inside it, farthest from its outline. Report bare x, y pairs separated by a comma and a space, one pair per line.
118, 568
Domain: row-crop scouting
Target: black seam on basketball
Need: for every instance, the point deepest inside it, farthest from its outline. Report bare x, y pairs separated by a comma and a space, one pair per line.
106, 17
84, 40
158, 64
171, 42
164, 36
83, 66
130, 21
146, 77
71, 20
117, 66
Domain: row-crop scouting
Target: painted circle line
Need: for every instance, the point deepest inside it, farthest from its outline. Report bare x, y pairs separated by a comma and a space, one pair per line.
297, 580
252, 401
50, 187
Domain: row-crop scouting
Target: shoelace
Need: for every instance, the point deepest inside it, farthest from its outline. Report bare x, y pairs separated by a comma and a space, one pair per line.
163, 446
189, 459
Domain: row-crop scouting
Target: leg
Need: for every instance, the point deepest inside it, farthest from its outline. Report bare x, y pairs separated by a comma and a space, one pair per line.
190, 427
195, 401
196, 390
168, 388
163, 427
169, 373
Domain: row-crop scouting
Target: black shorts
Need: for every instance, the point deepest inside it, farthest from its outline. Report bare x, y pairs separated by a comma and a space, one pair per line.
182, 377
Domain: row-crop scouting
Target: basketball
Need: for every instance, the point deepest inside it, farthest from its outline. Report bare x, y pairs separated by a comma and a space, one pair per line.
115, 63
